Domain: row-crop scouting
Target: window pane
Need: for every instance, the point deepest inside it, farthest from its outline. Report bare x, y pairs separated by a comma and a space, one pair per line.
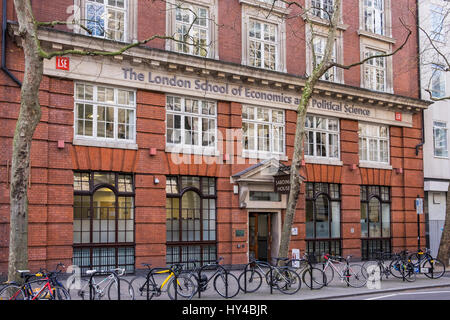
322, 217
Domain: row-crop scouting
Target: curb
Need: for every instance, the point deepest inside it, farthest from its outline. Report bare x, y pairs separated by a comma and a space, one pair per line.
380, 291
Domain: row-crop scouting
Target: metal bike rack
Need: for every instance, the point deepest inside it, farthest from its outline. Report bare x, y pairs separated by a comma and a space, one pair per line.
91, 287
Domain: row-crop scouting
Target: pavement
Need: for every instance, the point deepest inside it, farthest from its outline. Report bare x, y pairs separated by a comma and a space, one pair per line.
335, 290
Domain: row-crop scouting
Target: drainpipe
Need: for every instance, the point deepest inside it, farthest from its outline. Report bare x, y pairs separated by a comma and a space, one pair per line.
4, 30
419, 80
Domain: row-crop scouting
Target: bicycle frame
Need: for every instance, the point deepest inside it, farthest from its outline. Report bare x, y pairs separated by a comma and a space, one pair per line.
152, 282
330, 262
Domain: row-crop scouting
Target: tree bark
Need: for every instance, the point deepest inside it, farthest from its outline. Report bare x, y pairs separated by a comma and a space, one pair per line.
29, 117
444, 246
295, 180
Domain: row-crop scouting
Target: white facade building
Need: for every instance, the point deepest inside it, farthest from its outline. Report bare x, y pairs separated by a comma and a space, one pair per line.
434, 47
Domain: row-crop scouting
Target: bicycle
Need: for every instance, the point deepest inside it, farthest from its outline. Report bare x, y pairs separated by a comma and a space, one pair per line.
400, 267
425, 264
47, 288
225, 283
184, 287
250, 279
377, 269
352, 274
105, 283
312, 277
283, 278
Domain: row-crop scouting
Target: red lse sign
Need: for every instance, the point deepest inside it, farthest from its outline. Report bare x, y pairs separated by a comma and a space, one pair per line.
398, 116
62, 63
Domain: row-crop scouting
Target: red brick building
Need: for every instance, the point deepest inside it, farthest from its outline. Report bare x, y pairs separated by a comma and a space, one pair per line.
167, 152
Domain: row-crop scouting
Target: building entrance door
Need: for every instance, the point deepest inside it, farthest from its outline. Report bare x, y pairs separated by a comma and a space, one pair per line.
259, 235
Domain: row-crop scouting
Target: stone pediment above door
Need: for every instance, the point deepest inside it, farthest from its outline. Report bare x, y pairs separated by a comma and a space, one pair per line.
261, 172
257, 183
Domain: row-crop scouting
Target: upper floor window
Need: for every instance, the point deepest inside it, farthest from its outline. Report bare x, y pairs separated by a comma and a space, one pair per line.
322, 8
440, 139
107, 18
192, 29
263, 129
322, 137
193, 26
374, 70
262, 45
191, 122
437, 81
437, 16
105, 113
319, 44
373, 142
374, 16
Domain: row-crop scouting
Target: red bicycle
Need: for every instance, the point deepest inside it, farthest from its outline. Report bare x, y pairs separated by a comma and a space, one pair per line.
42, 285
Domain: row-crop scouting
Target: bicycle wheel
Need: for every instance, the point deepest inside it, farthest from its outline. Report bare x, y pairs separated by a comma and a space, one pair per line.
80, 290
329, 275
415, 258
12, 292
61, 293
369, 268
395, 268
140, 287
287, 281
268, 280
186, 288
226, 284
120, 290
354, 276
435, 267
314, 278
250, 280
408, 272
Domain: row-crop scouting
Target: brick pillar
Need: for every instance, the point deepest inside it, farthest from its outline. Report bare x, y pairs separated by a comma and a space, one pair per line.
350, 190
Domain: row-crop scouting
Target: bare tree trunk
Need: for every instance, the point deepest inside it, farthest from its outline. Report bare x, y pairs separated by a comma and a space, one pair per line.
295, 179
444, 246
29, 117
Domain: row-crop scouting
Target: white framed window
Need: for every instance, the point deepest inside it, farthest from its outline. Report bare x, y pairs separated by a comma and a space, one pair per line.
263, 44
104, 113
373, 142
440, 139
194, 24
374, 16
437, 16
322, 8
437, 81
191, 123
263, 130
107, 18
192, 29
322, 137
374, 71
319, 43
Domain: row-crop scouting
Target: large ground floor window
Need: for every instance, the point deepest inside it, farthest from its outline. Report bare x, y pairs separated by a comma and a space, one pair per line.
190, 219
103, 221
375, 220
323, 219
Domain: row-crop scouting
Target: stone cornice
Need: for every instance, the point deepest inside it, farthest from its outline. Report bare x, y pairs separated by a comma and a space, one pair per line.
233, 72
